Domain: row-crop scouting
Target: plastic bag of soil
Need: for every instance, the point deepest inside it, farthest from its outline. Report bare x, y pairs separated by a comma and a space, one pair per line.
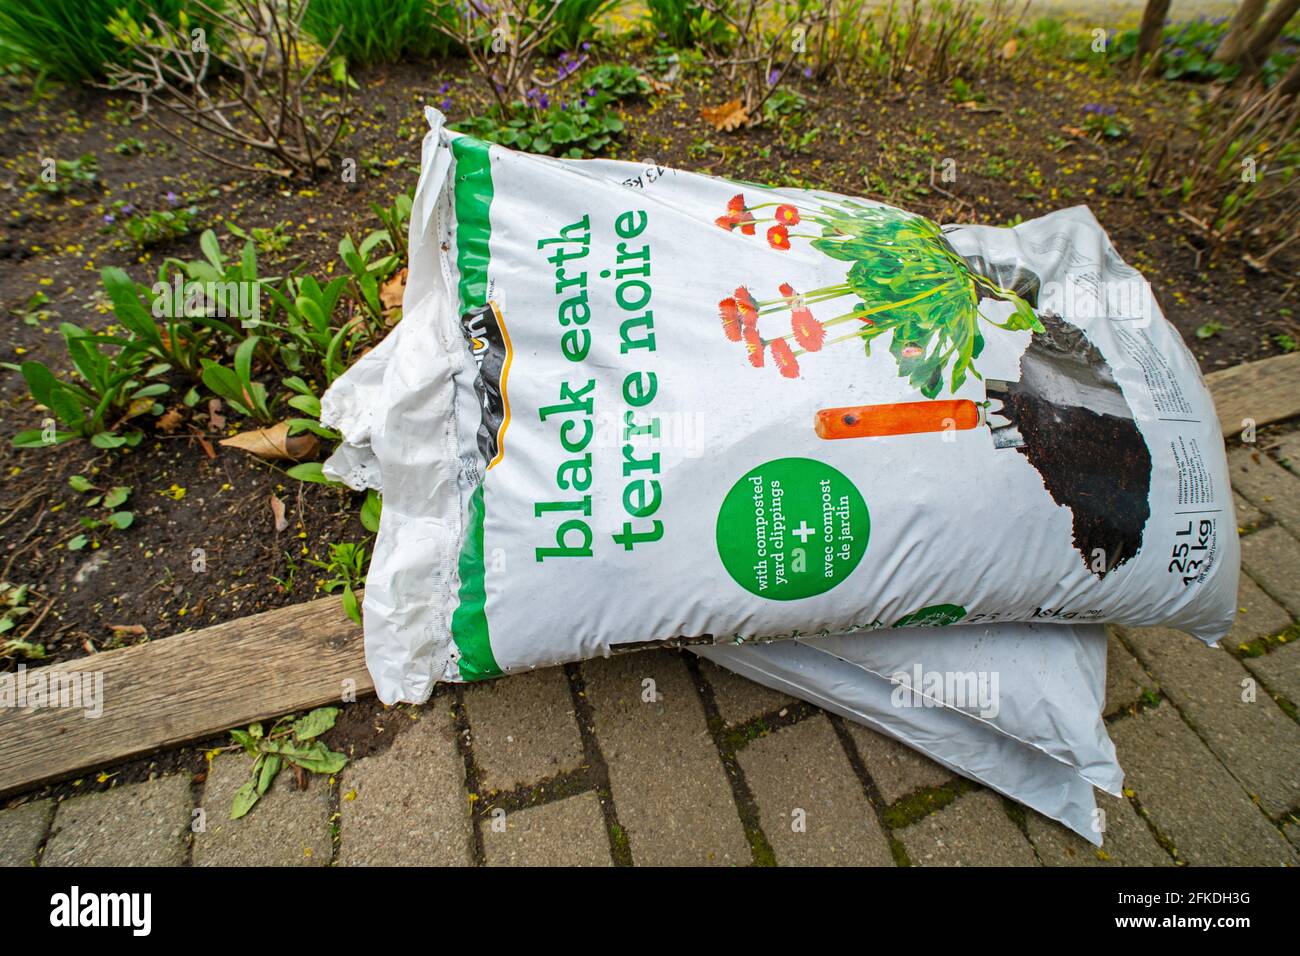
628, 403
1016, 707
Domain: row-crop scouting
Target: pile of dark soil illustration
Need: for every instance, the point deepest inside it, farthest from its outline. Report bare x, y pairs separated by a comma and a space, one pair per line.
1097, 465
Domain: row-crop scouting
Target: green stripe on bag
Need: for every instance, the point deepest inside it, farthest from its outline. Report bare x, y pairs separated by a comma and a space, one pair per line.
473, 197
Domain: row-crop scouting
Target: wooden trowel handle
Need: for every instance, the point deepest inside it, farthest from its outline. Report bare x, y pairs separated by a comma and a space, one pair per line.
900, 418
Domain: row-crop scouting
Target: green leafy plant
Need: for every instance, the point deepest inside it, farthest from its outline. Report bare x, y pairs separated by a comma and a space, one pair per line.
395, 219
581, 125
33, 311
147, 229
366, 272
308, 341
186, 333
237, 386
1104, 122
346, 567
67, 176
131, 146
371, 508
1188, 47
291, 741
113, 388
305, 401
14, 607
688, 23
268, 240
109, 500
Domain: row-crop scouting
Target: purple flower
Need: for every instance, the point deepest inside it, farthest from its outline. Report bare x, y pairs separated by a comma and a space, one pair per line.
171, 198
444, 88
128, 210
586, 47
773, 77
109, 218
807, 72
445, 104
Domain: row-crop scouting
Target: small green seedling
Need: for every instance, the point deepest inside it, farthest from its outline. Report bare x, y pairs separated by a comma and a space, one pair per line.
111, 501
290, 741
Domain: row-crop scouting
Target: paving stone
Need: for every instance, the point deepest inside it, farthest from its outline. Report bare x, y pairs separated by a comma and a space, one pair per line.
287, 827
740, 699
1287, 450
408, 805
1258, 615
21, 830
135, 824
569, 832
1127, 840
800, 776
523, 728
1272, 557
1190, 797
1248, 516
666, 776
1256, 741
973, 830
1266, 485
1125, 679
895, 768
1279, 670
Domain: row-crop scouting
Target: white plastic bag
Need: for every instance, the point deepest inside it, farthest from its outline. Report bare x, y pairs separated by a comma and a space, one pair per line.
578, 452
1017, 707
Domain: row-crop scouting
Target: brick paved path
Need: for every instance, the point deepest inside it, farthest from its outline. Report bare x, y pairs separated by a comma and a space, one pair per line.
661, 758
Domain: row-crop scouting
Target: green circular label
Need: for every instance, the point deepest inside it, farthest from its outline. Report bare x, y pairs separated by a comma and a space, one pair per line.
792, 528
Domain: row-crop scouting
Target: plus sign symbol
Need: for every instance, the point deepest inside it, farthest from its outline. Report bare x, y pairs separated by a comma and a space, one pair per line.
803, 532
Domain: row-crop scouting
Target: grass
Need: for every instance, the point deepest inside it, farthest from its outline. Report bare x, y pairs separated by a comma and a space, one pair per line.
379, 31
69, 39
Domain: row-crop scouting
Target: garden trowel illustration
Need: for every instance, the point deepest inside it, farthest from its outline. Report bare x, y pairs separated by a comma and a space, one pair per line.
1066, 415
1056, 370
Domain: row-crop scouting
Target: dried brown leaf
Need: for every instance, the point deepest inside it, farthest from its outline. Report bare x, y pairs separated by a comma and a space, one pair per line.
216, 420
726, 117
275, 443
277, 509
169, 421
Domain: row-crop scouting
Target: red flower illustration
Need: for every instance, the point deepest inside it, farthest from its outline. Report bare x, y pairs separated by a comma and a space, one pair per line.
808, 332
737, 215
756, 345
785, 213
784, 358
778, 237
911, 351
730, 319
745, 305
